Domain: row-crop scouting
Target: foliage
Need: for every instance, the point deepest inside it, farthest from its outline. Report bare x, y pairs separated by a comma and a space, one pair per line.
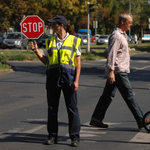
107, 15
4, 65
98, 52
17, 55
141, 12
5, 68
13, 11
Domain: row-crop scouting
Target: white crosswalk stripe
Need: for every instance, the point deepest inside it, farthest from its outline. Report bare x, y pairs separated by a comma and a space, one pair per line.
86, 132
141, 137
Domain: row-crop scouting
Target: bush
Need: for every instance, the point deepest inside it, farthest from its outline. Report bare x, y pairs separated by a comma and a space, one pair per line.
17, 55
4, 65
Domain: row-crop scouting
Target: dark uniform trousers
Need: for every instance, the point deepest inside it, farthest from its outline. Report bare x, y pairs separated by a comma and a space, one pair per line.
53, 96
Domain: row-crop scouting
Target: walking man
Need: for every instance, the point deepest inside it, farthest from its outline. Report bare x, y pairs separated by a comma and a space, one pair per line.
117, 67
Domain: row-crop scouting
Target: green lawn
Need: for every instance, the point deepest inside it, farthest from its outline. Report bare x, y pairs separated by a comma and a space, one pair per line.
19, 55
97, 52
5, 68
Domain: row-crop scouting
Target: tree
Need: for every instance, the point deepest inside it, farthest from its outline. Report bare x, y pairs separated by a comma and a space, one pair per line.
140, 11
5, 15
74, 10
12, 12
107, 15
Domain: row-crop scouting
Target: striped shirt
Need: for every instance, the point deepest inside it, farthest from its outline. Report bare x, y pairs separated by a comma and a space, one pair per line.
118, 52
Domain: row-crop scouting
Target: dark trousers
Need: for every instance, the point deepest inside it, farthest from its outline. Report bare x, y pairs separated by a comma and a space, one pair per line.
53, 96
123, 85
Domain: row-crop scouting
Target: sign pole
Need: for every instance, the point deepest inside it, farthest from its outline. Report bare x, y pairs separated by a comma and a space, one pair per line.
95, 25
130, 13
88, 35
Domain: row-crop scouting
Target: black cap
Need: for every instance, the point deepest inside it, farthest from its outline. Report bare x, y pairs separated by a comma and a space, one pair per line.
59, 19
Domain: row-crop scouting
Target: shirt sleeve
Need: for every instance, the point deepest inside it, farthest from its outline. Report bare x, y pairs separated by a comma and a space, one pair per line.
113, 46
78, 53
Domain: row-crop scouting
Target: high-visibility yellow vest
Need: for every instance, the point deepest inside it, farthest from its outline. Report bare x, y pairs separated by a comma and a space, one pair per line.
62, 61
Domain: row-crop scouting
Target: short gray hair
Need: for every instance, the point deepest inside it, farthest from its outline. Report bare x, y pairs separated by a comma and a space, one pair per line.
123, 16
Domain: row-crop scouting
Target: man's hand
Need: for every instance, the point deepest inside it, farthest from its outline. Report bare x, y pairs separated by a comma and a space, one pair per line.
111, 77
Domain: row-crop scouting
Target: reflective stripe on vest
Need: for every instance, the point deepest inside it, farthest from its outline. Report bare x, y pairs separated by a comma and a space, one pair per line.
47, 42
64, 57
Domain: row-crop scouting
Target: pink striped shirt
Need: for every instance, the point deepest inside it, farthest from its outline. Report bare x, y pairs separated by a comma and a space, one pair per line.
118, 52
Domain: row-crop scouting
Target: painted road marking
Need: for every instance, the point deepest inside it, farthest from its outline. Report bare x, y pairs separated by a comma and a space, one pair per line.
12, 132
88, 131
141, 61
22, 134
140, 68
141, 137
34, 129
4, 135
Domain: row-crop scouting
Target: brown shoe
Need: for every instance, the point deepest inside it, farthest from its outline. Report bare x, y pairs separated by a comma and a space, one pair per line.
98, 124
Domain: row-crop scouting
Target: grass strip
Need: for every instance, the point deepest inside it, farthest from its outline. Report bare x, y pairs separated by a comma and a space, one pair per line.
97, 52
5, 68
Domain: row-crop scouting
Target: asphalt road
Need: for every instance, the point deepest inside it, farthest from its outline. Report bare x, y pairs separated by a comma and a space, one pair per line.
23, 109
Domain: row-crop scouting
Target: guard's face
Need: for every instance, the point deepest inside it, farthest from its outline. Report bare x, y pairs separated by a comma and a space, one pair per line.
128, 23
55, 27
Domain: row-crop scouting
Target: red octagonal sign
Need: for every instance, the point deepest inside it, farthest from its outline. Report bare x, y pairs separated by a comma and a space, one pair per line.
32, 27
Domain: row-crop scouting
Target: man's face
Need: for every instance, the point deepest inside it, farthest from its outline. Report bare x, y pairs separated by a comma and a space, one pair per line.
127, 23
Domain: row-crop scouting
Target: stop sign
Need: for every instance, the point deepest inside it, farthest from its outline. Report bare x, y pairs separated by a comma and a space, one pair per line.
32, 27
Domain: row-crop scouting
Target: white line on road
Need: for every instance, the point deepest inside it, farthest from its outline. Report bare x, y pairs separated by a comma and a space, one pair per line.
141, 137
34, 129
88, 131
36, 119
140, 68
141, 61
22, 134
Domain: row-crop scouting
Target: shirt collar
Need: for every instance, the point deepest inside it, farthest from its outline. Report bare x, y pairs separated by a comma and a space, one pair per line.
64, 38
122, 32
